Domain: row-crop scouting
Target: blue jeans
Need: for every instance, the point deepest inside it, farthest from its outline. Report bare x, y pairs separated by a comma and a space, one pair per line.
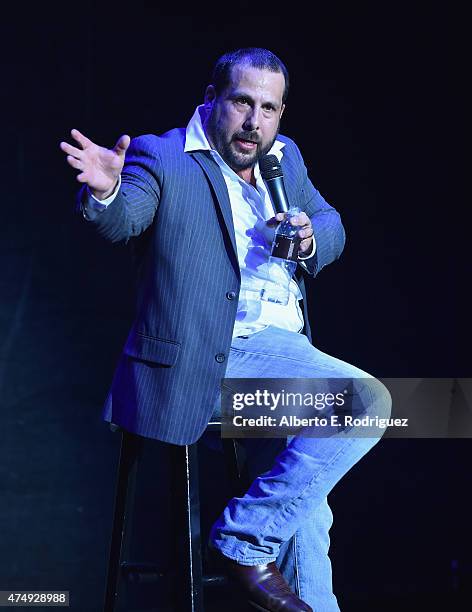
285, 516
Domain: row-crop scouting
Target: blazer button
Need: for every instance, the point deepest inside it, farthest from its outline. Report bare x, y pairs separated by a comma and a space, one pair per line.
230, 295
220, 357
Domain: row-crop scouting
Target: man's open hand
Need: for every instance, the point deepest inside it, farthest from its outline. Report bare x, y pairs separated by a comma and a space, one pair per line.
99, 167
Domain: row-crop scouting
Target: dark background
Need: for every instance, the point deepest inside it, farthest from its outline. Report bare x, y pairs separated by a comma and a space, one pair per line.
375, 107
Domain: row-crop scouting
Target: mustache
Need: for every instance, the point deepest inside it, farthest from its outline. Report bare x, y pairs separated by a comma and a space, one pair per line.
251, 136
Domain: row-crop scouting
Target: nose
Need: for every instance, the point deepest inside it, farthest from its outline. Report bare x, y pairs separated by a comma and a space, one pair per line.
251, 122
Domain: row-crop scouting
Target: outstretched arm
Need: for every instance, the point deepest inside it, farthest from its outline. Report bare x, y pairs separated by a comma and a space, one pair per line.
134, 204
99, 167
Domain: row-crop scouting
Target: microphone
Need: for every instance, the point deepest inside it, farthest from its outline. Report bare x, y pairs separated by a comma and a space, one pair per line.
284, 253
286, 241
273, 176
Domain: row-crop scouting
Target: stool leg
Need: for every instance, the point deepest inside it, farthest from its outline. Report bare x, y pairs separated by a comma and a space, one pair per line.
126, 481
235, 467
187, 497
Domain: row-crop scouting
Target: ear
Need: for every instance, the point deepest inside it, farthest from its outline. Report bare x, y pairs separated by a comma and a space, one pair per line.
210, 96
282, 111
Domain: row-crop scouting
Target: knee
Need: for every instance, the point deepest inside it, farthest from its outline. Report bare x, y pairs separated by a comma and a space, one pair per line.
370, 398
380, 403
379, 408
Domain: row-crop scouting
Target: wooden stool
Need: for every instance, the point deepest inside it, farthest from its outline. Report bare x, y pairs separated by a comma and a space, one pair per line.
186, 502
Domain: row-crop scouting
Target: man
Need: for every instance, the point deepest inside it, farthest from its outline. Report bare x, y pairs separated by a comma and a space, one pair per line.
194, 204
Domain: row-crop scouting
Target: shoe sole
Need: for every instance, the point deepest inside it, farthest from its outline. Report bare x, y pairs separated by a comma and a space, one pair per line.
257, 606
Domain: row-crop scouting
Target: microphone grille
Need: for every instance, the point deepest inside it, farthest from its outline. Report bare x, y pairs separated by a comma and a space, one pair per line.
270, 167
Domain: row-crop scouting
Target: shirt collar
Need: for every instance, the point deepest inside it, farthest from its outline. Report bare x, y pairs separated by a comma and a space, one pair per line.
196, 140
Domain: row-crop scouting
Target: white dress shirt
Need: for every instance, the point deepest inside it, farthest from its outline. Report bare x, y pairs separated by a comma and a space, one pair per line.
251, 208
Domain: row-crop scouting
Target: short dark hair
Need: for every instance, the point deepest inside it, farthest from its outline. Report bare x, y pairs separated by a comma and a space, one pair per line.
255, 57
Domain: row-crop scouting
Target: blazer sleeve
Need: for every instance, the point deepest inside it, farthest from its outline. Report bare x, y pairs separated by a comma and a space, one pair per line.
328, 229
133, 209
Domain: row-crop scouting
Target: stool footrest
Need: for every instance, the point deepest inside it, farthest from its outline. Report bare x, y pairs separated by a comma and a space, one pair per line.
138, 572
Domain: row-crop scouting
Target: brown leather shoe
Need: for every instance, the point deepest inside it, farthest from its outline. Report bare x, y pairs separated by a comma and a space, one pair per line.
265, 586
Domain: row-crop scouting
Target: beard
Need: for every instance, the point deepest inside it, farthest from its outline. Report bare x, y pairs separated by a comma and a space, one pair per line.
236, 159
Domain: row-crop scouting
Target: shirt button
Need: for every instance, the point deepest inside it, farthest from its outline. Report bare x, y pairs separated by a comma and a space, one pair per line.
220, 357
230, 295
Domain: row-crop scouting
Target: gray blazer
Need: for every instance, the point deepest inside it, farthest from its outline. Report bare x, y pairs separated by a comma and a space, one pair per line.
174, 211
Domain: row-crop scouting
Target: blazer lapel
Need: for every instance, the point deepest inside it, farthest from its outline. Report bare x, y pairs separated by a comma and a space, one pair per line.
217, 182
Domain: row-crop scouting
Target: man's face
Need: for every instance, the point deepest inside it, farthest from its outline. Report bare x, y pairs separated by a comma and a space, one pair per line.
243, 121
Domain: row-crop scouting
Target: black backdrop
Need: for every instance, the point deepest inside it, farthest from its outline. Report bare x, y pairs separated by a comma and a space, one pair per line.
375, 107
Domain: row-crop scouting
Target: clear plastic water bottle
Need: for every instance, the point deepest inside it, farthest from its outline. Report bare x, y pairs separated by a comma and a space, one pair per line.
282, 261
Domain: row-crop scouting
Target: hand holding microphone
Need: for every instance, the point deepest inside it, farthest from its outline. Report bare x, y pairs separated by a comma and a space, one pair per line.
271, 172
